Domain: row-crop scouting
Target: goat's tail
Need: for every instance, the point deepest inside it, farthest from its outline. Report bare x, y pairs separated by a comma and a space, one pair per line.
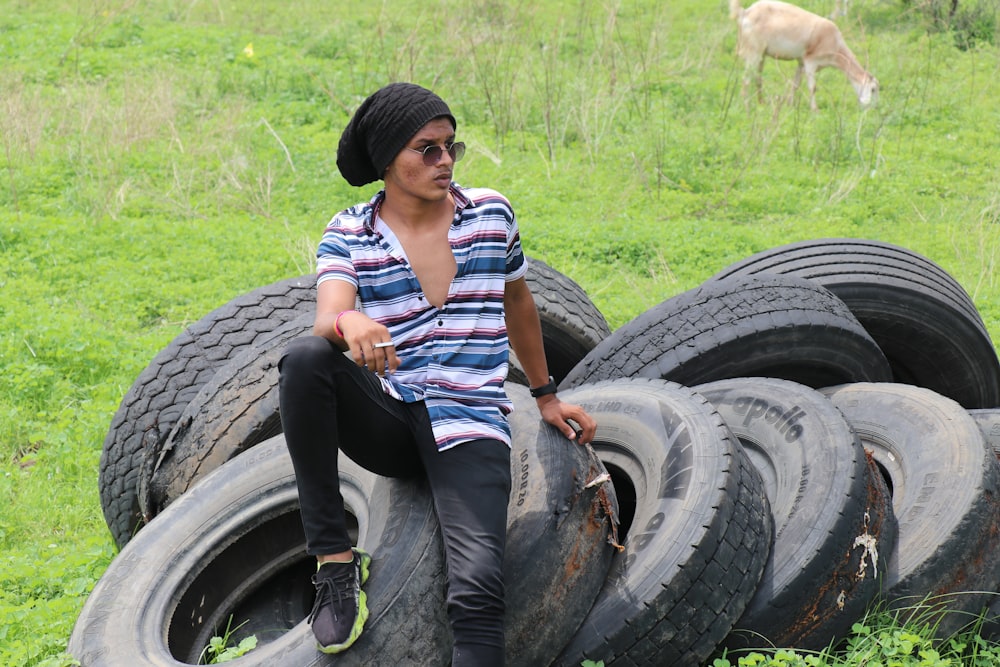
735, 9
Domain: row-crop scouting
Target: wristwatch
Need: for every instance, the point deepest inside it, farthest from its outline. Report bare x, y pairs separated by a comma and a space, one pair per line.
545, 389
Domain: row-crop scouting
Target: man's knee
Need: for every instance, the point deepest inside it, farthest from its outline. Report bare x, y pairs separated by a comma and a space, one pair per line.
305, 353
476, 589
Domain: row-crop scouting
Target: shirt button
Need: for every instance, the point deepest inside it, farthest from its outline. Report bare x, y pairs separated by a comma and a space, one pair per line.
440, 323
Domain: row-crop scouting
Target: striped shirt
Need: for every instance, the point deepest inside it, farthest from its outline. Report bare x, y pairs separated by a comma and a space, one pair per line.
454, 358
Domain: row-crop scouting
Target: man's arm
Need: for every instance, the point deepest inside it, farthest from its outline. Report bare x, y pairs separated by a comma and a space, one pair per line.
524, 330
351, 330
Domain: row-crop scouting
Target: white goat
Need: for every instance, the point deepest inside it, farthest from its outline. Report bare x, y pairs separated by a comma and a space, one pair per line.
786, 32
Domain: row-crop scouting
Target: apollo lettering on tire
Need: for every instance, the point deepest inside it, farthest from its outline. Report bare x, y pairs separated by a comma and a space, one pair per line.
695, 522
834, 528
945, 485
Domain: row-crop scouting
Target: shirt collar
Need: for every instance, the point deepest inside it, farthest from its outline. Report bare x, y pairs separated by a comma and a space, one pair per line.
461, 202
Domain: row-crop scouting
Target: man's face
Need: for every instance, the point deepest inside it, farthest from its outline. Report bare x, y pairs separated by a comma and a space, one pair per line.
408, 174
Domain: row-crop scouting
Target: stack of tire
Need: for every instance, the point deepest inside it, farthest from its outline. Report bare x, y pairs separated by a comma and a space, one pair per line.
810, 431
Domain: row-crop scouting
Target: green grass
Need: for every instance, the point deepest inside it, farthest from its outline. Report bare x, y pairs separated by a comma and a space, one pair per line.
884, 638
161, 158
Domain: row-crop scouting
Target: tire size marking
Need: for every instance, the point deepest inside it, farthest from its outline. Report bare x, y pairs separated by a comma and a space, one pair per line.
522, 483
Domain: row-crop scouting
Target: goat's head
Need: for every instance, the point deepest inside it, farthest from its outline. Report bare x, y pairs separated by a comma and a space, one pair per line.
868, 91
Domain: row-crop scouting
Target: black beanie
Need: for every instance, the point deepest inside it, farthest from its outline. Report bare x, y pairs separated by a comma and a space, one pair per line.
382, 126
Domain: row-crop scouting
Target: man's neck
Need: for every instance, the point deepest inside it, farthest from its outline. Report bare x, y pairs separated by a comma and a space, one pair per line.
414, 212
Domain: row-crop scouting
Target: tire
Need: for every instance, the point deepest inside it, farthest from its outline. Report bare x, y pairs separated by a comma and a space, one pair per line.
571, 324
235, 410
945, 484
768, 326
988, 421
925, 322
238, 407
159, 394
695, 522
234, 545
834, 527
559, 536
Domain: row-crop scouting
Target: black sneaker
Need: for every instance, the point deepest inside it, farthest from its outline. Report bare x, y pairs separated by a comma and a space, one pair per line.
341, 609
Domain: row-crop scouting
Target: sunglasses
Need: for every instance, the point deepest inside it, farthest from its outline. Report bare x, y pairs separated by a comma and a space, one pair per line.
432, 154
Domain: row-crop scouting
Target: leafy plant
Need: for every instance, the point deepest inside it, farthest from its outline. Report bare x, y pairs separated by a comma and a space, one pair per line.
219, 651
61, 660
903, 637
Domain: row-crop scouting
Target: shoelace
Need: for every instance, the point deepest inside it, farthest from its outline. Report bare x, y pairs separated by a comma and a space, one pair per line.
339, 584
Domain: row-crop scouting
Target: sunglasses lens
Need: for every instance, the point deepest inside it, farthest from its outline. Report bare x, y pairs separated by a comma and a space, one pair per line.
432, 154
457, 150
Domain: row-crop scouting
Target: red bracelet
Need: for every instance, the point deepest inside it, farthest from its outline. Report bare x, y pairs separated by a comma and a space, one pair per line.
336, 322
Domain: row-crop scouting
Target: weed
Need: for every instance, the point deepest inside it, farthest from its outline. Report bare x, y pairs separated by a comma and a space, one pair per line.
219, 651
901, 637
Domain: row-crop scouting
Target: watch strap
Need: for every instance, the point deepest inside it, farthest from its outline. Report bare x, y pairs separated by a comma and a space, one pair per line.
544, 390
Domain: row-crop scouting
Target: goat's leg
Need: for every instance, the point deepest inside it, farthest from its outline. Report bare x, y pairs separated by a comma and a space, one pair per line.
745, 90
796, 82
811, 80
760, 80
750, 77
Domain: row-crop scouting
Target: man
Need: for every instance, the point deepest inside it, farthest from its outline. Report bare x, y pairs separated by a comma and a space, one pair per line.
424, 286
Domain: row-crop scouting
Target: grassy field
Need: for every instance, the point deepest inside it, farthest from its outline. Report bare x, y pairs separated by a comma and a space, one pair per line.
160, 158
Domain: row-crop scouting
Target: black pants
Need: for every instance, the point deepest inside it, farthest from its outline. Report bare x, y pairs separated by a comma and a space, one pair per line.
330, 403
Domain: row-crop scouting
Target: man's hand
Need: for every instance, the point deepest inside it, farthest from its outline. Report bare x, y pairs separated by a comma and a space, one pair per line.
369, 343
560, 414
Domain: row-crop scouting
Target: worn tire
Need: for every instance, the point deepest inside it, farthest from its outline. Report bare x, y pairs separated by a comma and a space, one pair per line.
988, 421
234, 545
834, 527
768, 326
945, 484
697, 522
925, 322
160, 393
559, 536
235, 410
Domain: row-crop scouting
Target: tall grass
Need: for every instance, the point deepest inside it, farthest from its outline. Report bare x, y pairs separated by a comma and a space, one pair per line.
159, 158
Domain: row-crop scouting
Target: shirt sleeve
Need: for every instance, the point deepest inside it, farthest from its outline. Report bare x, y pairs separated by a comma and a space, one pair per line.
333, 258
517, 267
